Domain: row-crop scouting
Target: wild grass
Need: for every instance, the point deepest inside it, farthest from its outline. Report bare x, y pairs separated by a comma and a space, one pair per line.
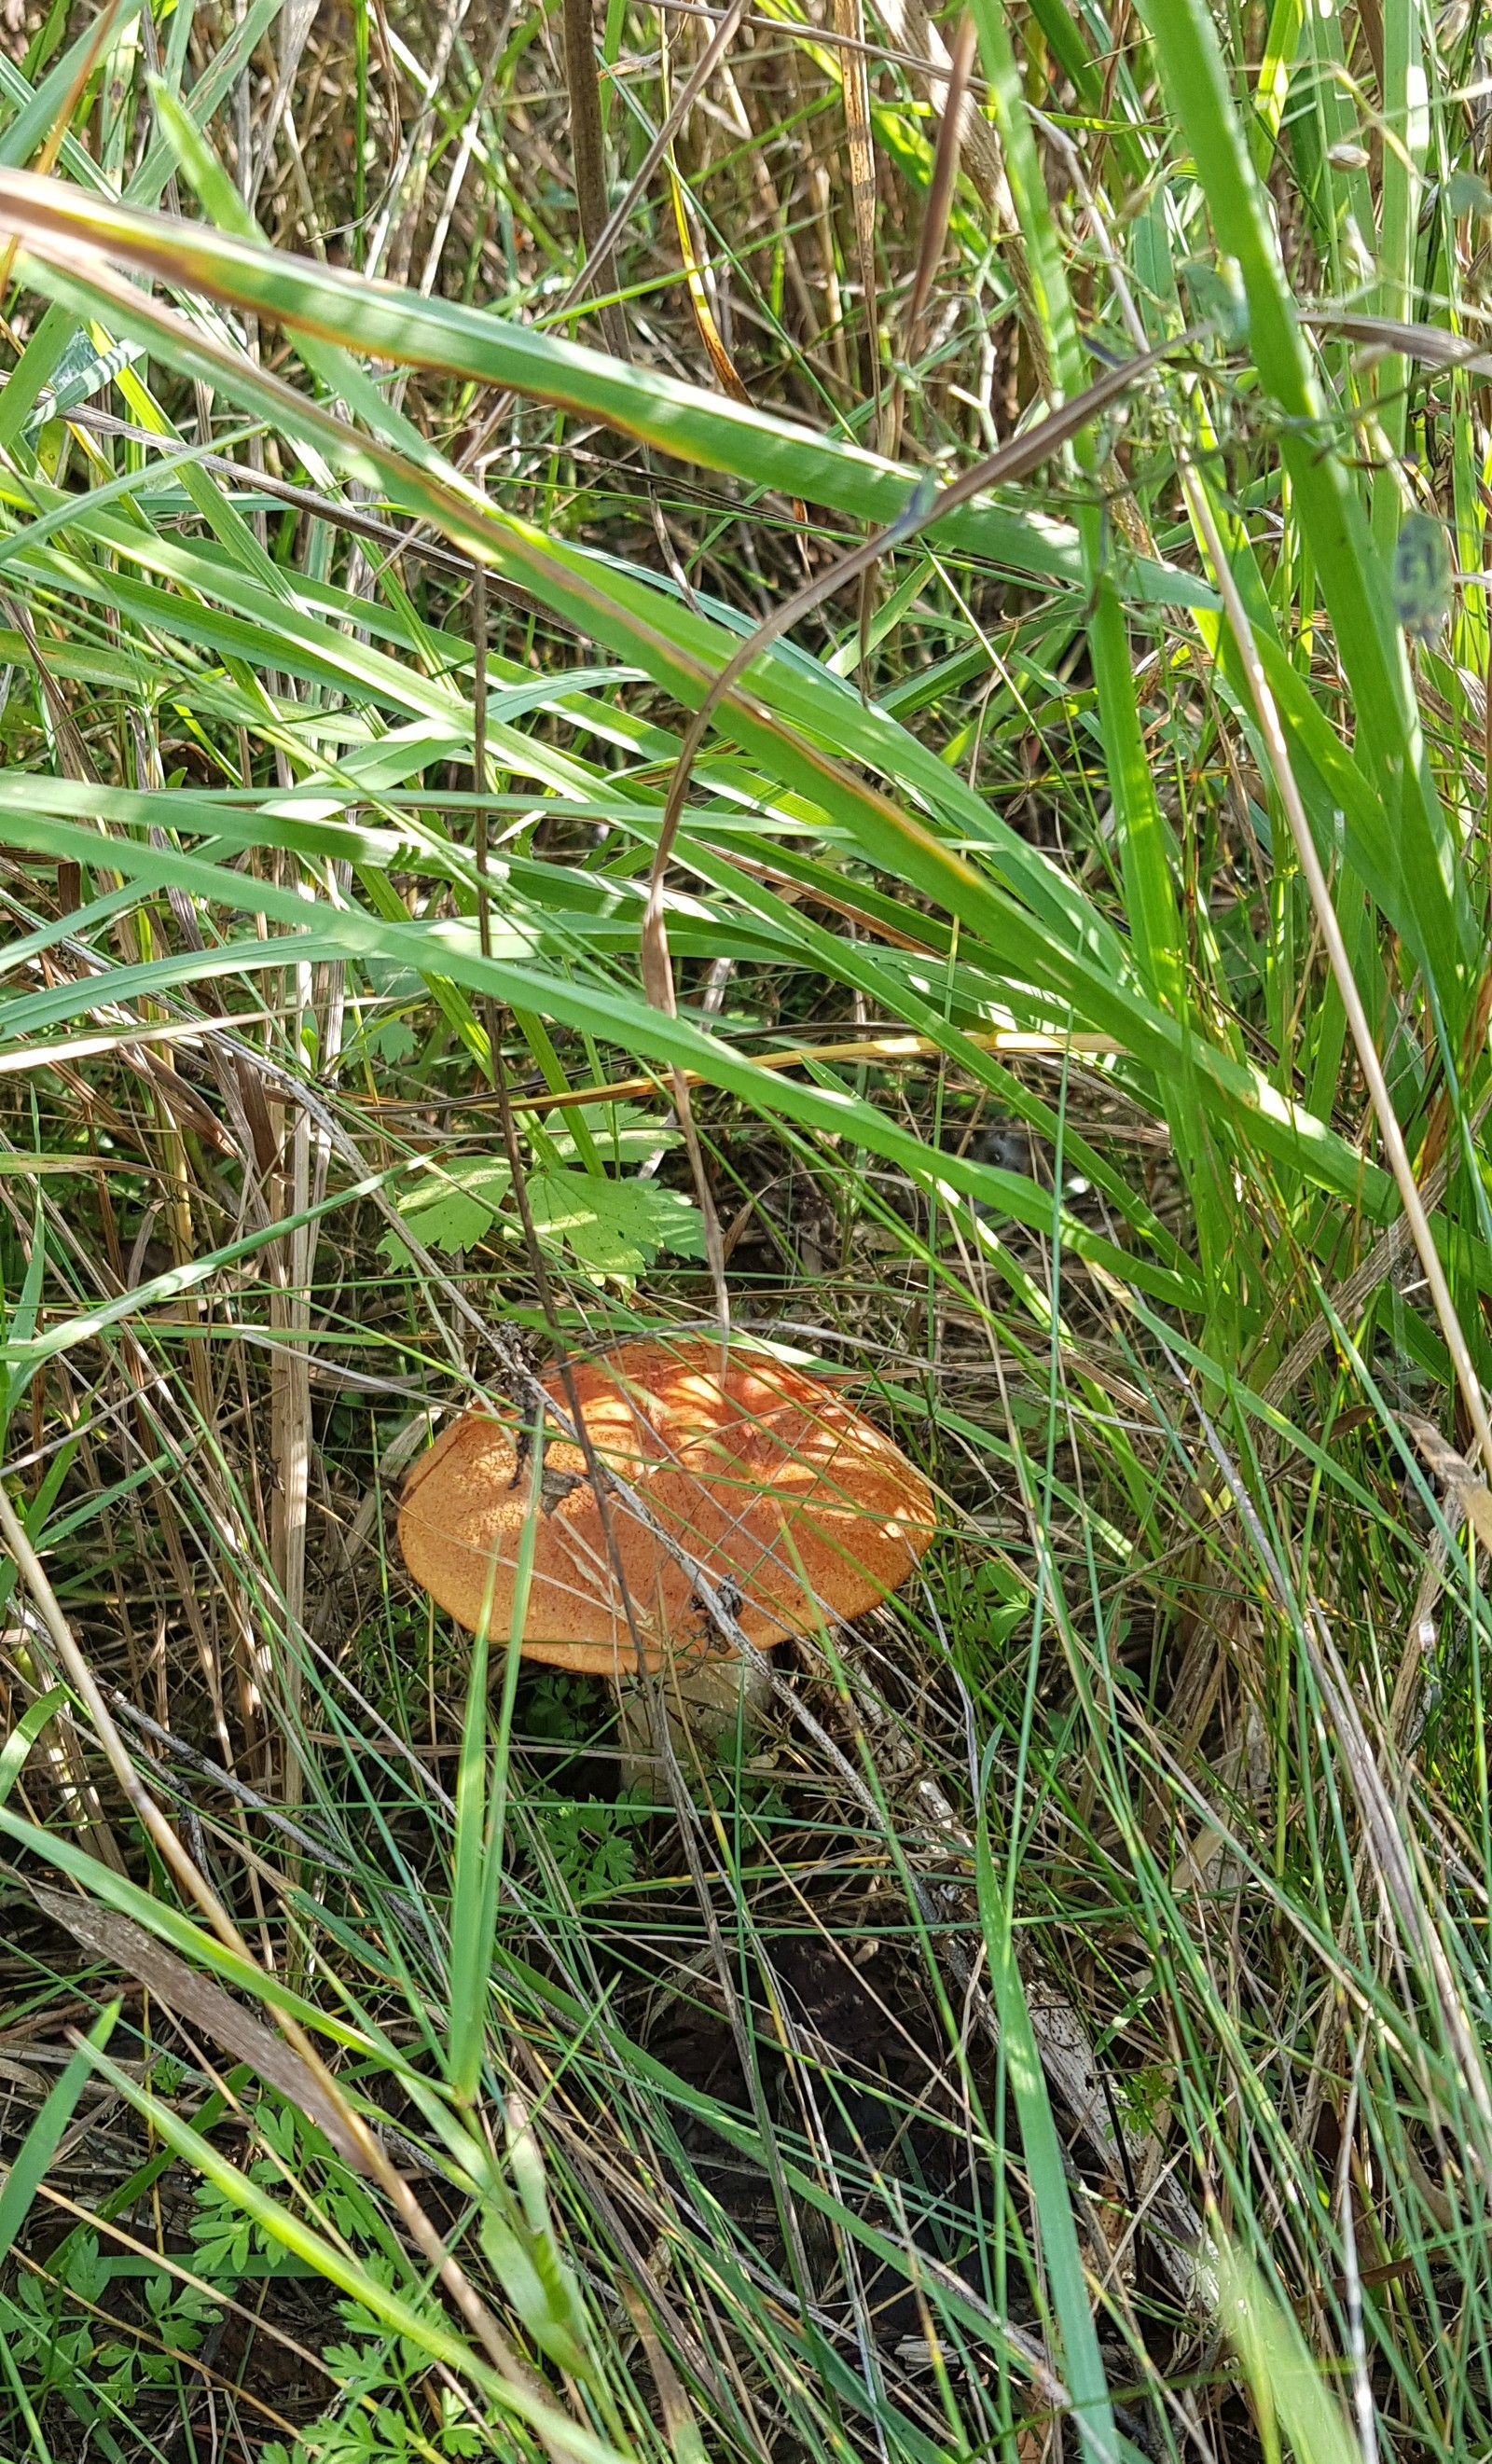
1048, 979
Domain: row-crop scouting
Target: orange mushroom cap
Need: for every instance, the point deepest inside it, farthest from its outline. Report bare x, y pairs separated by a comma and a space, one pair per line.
767, 1478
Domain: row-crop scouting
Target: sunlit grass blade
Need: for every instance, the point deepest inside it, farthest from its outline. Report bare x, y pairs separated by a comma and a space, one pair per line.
481, 1806
699, 428
1287, 2383
1061, 2258
1354, 577
1279, 1128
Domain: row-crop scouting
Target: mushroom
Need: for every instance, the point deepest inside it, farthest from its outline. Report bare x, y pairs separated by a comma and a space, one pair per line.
767, 1479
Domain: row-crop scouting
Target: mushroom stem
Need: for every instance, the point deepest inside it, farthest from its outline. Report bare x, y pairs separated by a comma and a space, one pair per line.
702, 1704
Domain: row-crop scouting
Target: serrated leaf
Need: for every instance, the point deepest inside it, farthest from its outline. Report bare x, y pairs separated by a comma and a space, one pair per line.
611, 1227
391, 1041
624, 1135
614, 1228
451, 1206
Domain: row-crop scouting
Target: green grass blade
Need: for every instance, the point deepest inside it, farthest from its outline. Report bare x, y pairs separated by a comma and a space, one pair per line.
1088, 2381
1279, 1127
24, 1735
693, 426
477, 1863
29, 2168
1286, 2383
424, 2325
1352, 575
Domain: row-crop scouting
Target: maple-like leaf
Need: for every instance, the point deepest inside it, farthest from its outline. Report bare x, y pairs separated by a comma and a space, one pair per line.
450, 1205
610, 1227
620, 1133
614, 1227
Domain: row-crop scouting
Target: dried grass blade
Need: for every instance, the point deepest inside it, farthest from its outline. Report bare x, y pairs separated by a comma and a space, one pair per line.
849, 22
940, 190
590, 158
726, 373
123, 1945
1467, 1493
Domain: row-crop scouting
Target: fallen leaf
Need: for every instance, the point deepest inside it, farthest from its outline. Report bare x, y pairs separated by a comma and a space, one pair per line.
203, 2005
1466, 1493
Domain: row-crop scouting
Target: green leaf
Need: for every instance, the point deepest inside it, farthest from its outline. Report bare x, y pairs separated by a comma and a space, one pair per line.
1466, 192
1284, 2378
452, 1205
612, 1013
391, 1041
24, 1735
406, 2313
1217, 297
41, 2144
1389, 747
614, 1228
622, 1134
477, 1863
331, 306
1087, 2381
1423, 576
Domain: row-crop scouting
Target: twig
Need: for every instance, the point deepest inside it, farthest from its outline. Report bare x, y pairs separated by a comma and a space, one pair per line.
181, 1751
